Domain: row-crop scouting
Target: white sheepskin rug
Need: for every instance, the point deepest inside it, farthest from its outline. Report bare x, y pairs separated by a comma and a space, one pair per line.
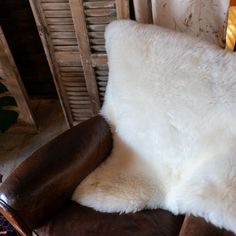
171, 105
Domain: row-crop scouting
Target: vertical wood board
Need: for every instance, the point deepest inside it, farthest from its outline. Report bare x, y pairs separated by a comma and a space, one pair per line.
122, 8
143, 11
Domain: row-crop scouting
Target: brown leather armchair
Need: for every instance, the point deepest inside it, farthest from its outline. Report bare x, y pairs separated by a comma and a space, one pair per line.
36, 197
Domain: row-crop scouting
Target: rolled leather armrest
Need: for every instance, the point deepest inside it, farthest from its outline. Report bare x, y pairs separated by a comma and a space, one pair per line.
197, 226
45, 181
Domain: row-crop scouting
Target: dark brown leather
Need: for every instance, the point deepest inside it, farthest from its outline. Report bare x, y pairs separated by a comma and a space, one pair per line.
197, 226
39, 191
76, 220
44, 182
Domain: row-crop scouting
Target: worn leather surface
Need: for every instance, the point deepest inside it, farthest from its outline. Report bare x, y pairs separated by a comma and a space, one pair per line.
43, 183
197, 226
37, 194
77, 220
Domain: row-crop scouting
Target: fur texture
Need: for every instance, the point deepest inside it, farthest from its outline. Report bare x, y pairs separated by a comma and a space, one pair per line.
171, 104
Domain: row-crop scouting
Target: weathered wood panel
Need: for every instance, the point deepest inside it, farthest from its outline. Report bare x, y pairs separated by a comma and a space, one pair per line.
143, 11
122, 9
205, 19
100, 4
84, 47
57, 32
90, 19
56, 6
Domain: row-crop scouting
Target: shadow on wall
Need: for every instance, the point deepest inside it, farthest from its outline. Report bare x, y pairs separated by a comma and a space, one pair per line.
7, 103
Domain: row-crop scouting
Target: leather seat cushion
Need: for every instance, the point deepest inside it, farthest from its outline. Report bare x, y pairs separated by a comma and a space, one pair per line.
83, 221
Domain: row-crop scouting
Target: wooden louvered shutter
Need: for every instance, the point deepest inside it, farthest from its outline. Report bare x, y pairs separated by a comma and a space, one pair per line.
72, 33
231, 29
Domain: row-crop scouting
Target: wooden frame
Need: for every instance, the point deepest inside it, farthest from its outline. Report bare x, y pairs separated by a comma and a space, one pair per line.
11, 79
122, 9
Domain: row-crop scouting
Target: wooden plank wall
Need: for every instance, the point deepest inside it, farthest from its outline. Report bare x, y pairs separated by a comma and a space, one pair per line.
72, 32
11, 79
90, 19
79, 20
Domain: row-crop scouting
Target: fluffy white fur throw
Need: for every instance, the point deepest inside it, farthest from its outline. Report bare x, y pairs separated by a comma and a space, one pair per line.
171, 104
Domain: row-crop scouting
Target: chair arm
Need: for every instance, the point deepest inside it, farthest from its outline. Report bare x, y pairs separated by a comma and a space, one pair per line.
45, 181
197, 226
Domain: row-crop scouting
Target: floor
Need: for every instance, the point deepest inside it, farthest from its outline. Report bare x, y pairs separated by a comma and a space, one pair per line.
15, 147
